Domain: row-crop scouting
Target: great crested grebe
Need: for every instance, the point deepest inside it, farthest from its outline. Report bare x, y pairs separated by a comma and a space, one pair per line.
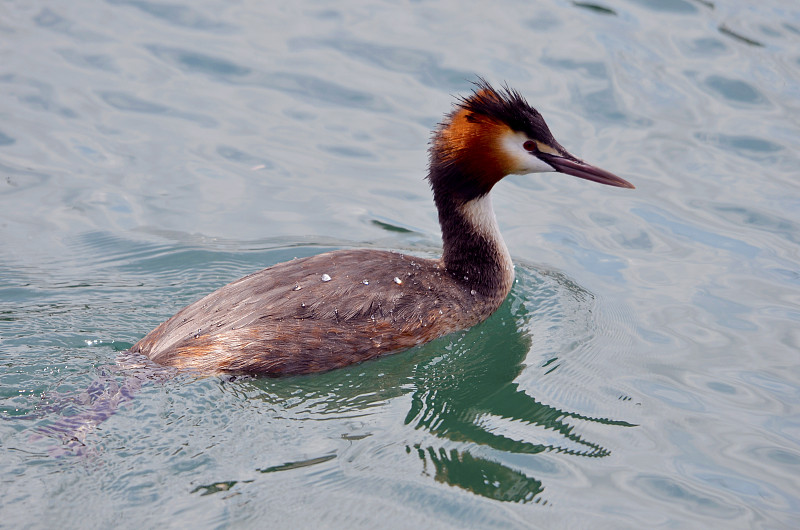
334, 309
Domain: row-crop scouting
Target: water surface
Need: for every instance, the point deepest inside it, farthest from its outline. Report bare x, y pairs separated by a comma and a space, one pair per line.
643, 372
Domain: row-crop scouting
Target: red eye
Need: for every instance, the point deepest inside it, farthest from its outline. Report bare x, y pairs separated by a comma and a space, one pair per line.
530, 145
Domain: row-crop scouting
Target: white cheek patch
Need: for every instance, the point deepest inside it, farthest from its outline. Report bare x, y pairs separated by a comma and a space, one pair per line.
523, 162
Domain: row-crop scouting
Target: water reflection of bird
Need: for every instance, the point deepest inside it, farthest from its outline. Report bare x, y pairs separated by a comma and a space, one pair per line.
479, 405
338, 308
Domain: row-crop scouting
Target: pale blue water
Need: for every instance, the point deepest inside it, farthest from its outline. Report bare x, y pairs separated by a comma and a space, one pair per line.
644, 372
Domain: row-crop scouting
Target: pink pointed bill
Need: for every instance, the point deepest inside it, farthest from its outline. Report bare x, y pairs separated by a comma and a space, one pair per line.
580, 169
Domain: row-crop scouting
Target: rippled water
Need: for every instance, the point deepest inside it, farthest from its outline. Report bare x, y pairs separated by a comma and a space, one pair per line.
643, 372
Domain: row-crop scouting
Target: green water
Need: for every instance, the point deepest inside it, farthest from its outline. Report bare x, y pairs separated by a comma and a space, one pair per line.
642, 374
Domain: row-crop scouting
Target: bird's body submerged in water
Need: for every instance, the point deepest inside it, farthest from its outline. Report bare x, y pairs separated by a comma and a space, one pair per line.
334, 309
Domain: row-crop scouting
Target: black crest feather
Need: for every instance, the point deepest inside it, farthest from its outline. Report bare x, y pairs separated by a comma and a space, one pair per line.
507, 106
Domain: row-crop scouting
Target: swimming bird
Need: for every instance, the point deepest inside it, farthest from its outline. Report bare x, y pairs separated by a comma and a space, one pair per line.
338, 308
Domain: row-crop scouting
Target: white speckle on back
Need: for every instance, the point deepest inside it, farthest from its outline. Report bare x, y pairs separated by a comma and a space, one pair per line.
325, 278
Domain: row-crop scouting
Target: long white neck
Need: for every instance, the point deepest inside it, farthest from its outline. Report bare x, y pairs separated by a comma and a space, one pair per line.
474, 251
479, 214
